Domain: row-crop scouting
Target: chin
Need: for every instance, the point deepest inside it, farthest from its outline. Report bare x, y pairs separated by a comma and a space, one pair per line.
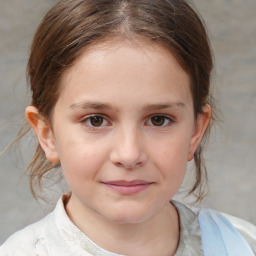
128, 216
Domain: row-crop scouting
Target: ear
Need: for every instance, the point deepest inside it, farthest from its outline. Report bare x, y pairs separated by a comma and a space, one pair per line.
201, 124
44, 133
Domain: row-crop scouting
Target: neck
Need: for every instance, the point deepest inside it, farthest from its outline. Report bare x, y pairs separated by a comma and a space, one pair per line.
158, 235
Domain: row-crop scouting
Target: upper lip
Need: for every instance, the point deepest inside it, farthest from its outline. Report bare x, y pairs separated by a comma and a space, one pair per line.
127, 183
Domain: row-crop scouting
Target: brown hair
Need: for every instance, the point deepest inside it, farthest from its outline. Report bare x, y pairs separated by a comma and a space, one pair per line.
72, 25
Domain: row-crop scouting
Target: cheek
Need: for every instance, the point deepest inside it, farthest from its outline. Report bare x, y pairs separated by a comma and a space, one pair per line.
171, 158
80, 161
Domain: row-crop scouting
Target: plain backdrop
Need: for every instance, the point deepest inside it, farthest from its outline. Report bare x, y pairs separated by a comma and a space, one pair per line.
231, 154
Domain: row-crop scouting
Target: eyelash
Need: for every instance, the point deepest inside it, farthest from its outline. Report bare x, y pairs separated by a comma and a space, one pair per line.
88, 119
165, 118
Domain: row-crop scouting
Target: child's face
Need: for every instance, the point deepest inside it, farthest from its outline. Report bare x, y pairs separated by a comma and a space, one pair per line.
124, 130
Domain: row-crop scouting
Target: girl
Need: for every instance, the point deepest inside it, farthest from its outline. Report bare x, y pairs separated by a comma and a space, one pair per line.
120, 100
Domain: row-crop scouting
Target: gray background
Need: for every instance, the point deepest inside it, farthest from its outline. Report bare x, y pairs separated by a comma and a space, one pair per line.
231, 153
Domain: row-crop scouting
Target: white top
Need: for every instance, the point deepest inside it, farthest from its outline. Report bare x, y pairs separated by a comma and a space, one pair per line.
56, 235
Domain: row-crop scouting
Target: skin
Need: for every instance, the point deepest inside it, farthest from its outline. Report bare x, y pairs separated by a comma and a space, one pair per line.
145, 131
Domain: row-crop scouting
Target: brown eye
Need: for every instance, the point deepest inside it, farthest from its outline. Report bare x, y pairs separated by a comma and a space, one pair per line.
160, 121
96, 121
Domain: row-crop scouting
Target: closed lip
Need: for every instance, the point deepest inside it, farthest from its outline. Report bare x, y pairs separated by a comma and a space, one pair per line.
125, 187
126, 183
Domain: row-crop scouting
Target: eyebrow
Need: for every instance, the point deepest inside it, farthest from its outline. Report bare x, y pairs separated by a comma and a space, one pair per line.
152, 107
91, 105
149, 107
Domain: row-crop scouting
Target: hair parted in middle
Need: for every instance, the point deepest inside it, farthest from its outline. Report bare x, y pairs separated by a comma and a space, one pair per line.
73, 25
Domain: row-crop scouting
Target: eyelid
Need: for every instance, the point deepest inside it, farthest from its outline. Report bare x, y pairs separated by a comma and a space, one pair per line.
168, 117
87, 117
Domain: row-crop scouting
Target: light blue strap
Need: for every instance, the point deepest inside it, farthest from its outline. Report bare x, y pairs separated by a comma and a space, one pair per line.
220, 237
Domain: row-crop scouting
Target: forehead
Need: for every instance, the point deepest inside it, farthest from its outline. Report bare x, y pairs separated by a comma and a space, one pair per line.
150, 52
124, 66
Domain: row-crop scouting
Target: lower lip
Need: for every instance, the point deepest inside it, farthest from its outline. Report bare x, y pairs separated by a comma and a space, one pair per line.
129, 190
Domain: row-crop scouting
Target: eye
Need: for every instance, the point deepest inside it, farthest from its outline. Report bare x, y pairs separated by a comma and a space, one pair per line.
95, 121
159, 120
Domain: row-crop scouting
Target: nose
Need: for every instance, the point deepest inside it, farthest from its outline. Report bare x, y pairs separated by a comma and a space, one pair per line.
128, 150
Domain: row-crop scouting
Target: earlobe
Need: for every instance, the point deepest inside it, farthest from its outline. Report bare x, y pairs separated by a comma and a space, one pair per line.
44, 133
202, 122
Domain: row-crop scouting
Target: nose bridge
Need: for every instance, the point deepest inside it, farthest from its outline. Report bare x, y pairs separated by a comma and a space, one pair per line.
130, 139
128, 150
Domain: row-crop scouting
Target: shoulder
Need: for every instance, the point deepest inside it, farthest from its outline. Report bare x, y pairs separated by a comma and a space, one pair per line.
226, 230
217, 231
245, 228
27, 241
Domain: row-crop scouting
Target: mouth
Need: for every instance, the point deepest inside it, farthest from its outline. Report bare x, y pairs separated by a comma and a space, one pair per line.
128, 187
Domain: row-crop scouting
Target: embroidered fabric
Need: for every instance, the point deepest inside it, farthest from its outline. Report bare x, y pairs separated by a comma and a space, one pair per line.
56, 235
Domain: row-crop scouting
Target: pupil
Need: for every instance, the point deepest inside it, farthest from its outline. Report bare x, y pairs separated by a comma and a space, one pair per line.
96, 120
158, 120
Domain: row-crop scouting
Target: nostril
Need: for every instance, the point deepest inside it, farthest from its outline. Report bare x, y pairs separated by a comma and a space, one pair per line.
138, 164
128, 156
129, 166
119, 164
